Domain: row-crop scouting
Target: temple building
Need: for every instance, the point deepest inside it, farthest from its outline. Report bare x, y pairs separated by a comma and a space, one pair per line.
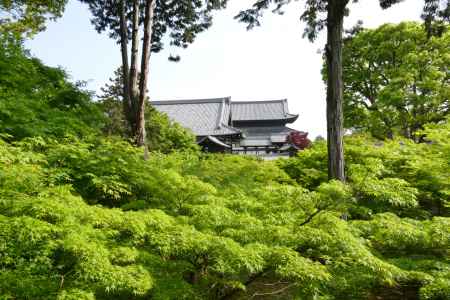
240, 127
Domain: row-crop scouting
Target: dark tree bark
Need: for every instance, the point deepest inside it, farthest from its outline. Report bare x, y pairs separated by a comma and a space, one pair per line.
335, 129
133, 81
146, 49
127, 104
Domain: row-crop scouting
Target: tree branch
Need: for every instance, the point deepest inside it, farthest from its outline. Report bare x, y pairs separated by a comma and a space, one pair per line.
310, 217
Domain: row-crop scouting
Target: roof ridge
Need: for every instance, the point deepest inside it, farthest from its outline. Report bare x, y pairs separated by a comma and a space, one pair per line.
231, 127
257, 101
220, 114
285, 108
190, 101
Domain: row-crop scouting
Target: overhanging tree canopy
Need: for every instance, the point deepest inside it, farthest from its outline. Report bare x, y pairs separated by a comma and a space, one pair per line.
177, 21
28, 17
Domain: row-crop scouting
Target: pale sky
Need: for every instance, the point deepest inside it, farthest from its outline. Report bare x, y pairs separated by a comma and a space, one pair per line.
269, 62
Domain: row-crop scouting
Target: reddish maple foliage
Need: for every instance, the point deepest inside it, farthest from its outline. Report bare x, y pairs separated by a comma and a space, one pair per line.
299, 139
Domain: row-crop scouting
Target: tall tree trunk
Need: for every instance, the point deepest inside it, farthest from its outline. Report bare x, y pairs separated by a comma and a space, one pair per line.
146, 49
133, 81
335, 130
127, 105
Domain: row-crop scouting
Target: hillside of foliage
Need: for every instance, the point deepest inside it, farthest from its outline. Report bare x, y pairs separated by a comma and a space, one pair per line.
83, 216
89, 219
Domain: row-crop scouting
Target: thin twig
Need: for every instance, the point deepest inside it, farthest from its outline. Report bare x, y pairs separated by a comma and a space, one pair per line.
273, 293
276, 283
62, 282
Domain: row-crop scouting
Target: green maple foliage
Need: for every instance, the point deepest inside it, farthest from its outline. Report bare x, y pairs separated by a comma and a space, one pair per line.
89, 219
396, 80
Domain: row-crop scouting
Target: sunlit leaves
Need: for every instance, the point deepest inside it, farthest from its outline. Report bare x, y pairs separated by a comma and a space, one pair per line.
395, 80
199, 226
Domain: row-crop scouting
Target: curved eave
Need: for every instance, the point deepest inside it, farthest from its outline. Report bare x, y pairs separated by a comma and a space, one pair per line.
213, 140
289, 147
234, 134
292, 118
230, 134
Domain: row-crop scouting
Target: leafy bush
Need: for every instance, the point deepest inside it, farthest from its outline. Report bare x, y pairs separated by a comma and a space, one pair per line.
36, 100
166, 136
195, 226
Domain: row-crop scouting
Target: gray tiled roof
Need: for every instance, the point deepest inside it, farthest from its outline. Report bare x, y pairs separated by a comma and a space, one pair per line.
260, 110
215, 116
202, 116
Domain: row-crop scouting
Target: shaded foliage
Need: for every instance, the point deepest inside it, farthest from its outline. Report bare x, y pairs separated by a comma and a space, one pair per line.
39, 100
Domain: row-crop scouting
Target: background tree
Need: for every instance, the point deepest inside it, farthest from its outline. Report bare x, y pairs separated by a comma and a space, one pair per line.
179, 21
110, 102
319, 14
27, 17
396, 80
163, 135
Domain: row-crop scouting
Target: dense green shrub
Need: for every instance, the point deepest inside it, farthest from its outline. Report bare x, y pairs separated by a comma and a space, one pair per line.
163, 135
166, 136
195, 226
408, 178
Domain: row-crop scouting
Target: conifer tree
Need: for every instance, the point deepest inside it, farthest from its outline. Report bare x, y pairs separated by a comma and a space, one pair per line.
179, 21
436, 15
